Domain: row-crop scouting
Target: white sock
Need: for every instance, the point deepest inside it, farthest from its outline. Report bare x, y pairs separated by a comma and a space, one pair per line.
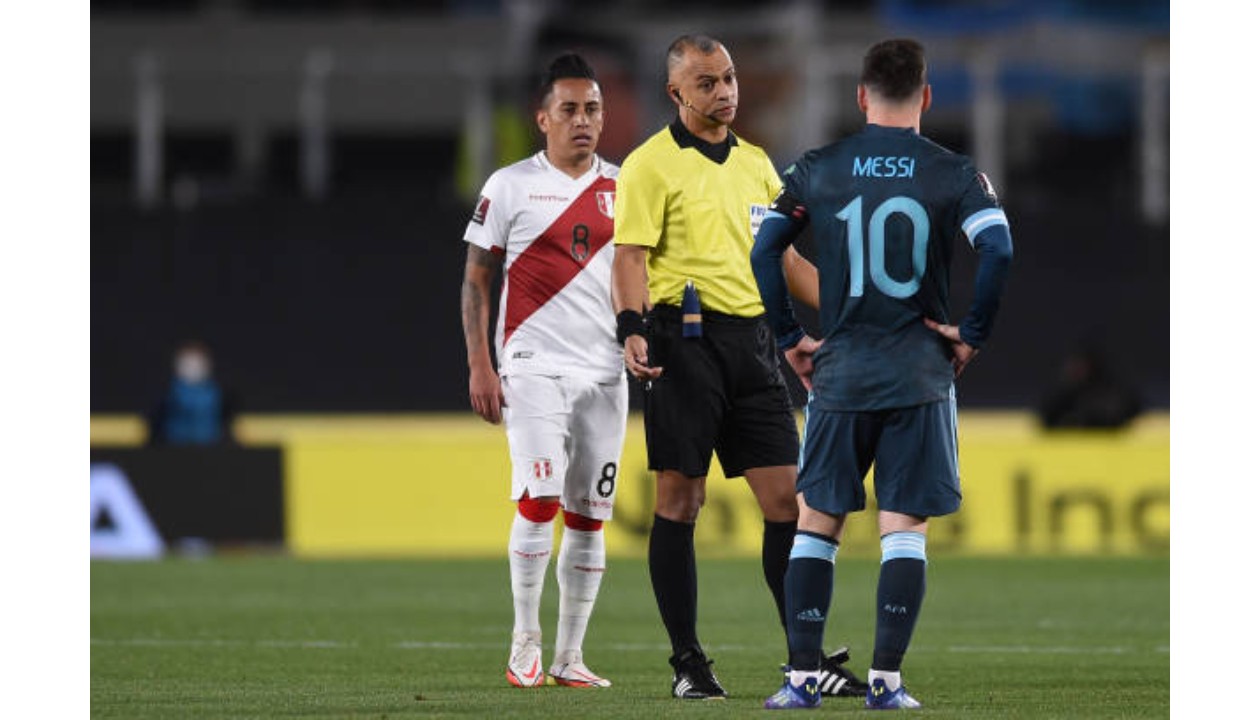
892, 680
529, 552
579, 570
798, 677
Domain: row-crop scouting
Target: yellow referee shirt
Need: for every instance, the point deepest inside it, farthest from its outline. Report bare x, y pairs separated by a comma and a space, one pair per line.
698, 217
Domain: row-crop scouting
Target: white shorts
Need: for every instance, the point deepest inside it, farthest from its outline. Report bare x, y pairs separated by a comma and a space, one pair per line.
565, 437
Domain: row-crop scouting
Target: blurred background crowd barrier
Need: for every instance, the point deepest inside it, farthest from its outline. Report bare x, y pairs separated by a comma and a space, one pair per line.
288, 183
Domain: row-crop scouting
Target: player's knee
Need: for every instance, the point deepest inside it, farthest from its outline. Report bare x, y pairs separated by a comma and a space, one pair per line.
574, 521
539, 510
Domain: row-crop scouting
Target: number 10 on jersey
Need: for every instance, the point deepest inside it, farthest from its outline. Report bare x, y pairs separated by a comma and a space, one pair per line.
852, 217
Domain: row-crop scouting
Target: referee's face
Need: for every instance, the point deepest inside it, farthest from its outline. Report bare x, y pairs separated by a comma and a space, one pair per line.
572, 119
708, 89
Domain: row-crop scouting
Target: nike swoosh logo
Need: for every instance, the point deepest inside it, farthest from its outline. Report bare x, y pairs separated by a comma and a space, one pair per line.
533, 673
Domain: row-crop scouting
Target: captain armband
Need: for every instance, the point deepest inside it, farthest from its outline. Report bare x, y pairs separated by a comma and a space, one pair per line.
791, 208
630, 322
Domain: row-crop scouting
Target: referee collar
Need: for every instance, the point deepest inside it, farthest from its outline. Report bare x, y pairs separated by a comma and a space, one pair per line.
717, 152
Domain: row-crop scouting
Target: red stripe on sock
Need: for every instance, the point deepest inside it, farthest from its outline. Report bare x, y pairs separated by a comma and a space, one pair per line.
574, 521
539, 511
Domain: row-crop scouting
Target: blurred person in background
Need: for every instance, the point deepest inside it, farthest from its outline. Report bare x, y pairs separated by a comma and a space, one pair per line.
195, 409
887, 206
1088, 394
559, 388
689, 201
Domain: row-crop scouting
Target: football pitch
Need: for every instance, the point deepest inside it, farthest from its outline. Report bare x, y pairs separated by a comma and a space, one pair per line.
275, 637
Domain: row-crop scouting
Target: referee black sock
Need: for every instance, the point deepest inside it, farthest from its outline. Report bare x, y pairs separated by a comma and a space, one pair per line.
776, 548
672, 565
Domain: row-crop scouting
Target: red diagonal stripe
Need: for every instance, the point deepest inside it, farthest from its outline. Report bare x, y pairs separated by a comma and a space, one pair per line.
548, 264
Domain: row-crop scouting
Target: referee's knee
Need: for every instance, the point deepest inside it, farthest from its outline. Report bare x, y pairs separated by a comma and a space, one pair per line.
679, 499
680, 510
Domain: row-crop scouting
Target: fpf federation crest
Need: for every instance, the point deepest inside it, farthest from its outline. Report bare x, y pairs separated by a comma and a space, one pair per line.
604, 201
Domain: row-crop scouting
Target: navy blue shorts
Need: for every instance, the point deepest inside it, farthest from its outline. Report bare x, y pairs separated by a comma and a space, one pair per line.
914, 450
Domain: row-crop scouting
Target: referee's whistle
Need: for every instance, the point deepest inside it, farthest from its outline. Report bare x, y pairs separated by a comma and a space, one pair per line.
692, 326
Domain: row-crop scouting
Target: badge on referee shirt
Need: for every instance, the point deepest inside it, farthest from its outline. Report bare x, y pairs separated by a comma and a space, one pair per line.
756, 213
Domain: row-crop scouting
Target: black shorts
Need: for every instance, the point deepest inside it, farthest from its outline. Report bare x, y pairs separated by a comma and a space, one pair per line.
722, 392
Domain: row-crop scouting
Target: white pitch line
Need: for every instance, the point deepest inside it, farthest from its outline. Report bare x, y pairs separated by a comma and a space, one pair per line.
437, 645
619, 647
169, 642
1036, 650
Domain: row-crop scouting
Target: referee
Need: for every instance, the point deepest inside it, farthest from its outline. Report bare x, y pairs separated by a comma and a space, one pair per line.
689, 201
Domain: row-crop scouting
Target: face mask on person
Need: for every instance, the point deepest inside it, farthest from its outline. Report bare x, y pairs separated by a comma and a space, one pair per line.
192, 367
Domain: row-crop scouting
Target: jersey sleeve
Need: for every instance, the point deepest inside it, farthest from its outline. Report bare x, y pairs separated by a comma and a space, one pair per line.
795, 177
491, 218
978, 206
984, 223
784, 221
770, 177
639, 206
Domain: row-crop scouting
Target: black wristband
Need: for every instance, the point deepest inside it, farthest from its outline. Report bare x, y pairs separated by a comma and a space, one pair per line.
630, 323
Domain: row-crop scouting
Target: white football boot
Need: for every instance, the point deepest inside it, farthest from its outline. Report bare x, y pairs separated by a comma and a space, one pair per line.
525, 663
570, 671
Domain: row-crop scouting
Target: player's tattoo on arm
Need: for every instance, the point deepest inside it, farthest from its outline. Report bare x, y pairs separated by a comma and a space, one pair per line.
479, 270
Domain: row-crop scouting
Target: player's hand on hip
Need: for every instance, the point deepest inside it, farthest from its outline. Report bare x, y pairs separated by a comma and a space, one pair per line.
801, 358
962, 353
636, 357
485, 392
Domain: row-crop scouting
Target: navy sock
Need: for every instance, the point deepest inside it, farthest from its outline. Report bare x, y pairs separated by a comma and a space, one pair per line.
672, 565
902, 585
776, 549
810, 578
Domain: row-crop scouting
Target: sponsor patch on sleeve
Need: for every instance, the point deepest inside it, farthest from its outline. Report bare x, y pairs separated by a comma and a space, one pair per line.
483, 207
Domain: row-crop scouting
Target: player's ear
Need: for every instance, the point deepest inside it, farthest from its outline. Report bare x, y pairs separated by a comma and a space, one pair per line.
927, 98
540, 117
862, 100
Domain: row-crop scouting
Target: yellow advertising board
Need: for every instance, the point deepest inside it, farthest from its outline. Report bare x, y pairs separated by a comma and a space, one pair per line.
439, 486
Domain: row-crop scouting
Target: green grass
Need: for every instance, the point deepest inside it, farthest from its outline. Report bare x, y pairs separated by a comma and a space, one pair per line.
272, 637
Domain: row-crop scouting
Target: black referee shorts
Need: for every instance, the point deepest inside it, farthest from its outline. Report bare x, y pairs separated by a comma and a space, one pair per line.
722, 392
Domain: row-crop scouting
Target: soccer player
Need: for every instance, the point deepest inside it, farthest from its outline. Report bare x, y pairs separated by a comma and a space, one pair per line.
689, 200
560, 388
886, 206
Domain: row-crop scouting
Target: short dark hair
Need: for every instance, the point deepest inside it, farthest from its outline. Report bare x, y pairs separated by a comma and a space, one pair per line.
568, 65
895, 69
703, 43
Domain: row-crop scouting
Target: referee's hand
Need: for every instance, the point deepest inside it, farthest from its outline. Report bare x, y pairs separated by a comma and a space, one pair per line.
636, 357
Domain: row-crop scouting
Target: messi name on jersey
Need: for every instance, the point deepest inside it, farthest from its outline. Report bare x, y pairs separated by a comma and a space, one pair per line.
883, 167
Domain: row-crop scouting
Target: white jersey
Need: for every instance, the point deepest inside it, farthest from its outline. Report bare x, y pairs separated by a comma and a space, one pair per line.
555, 307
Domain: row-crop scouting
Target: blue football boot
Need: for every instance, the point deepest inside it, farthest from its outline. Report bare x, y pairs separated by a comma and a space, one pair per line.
879, 697
805, 696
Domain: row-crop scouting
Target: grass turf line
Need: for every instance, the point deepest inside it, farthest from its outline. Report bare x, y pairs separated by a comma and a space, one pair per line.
274, 637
